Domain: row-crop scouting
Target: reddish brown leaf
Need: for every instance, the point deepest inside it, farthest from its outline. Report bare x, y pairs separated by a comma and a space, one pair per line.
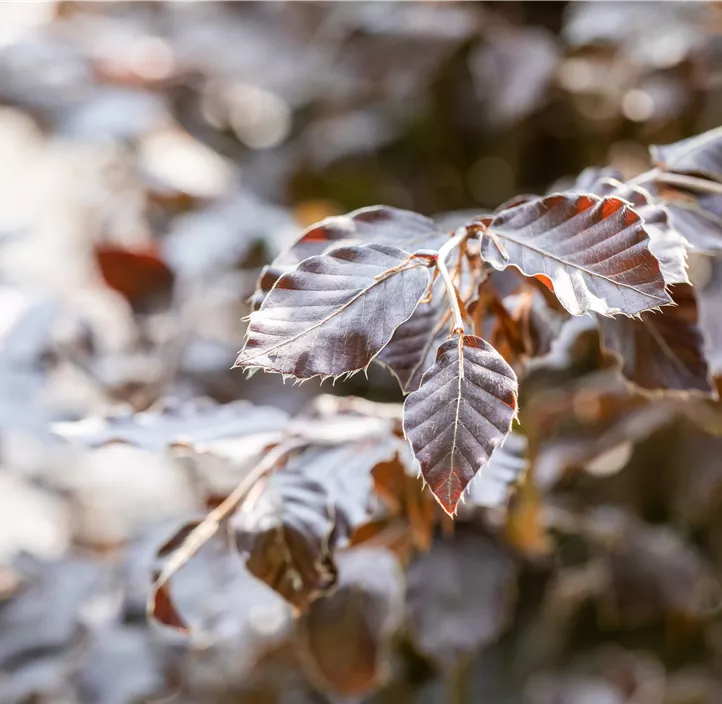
162, 608
460, 414
595, 252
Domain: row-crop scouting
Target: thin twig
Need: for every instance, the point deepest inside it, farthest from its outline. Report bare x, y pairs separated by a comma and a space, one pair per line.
693, 183
459, 236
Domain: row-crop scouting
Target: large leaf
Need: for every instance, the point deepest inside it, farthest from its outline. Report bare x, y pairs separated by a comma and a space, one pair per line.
335, 313
459, 595
701, 154
344, 638
462, 411
379, 224
412, 349
663, 350
593, 251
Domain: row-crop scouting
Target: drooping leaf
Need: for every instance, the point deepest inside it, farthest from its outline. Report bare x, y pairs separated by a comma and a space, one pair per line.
335, 312
344, 638
461, 412
698, 155
379, 224
459, 595
412, 349
663, 350
593, 252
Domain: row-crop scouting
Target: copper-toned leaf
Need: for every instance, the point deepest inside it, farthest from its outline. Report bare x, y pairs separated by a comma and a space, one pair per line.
285, 532
412, 349
163, 610
141, 276
344, 637
594, 252
379, 224
335, 313
663, 350
459, 595
462, 411
698, 155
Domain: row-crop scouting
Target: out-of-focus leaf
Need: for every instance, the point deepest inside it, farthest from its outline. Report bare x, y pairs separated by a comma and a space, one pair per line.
593, 252
171, 422
663, 350
696, 215
495, 483
344, 636
378, 224
707, 280
459, 595
460, 414
331, 316
285, 531
698, 155
412, 348
140, 276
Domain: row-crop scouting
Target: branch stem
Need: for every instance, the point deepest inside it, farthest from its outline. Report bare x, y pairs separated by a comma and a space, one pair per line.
693, 183
459, 236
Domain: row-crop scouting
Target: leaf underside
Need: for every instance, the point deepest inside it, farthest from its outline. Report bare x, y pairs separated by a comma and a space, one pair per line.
462, 411
334, 313
593, 252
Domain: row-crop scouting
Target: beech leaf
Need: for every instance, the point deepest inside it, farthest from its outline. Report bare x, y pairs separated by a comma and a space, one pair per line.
593, 251
462, 411
378, 224
701, 154
663, 350
335, 313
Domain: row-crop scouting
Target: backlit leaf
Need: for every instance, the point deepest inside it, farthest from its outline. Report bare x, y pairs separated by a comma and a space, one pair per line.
335, 312
379, 224
701, 154
594, 252
460, 414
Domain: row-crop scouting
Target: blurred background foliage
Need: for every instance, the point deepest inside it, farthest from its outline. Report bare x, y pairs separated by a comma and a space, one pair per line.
153, 156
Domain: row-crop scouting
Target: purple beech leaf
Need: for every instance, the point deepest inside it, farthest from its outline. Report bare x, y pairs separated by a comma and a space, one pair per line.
697, 217
698, 155
459, 596
412, 349
335, 313
460, 414
707, 279
663, 350
594, 252
378, 224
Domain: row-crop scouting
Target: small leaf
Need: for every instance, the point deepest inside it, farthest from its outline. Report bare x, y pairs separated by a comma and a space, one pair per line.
412, 349
462, 411
662, 351
335, 313
459, 595
594, 251
698, 155
379, 224
344, 637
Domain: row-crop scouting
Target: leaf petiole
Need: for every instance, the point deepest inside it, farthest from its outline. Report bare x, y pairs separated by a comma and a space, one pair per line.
459, 236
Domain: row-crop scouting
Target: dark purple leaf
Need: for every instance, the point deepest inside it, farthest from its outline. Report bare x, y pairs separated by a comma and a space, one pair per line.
344, 637
593, 252
663, 350
460, 414
379, 224
335, 313
412, 349
459, 595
